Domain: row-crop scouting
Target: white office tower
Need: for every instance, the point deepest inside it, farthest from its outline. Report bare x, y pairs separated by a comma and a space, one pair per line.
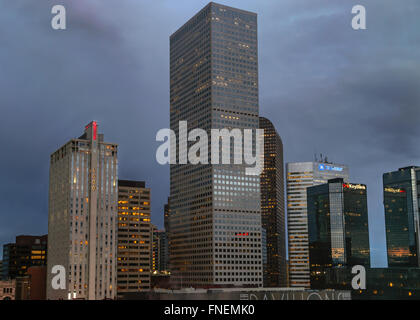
83, 216
299, 176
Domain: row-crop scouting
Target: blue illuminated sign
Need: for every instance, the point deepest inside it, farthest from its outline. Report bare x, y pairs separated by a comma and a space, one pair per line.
326, 167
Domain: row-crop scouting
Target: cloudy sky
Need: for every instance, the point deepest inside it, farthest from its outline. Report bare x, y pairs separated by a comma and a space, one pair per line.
353, 95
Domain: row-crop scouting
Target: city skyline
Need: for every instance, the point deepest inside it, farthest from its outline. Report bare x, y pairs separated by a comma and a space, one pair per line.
54, 118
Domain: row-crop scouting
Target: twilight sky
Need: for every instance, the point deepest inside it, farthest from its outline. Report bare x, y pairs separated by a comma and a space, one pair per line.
353, 95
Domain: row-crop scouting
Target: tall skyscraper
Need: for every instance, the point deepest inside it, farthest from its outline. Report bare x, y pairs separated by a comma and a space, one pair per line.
402, 206
25, 252
215, 221
82, 220
338, 228
301, 175
134, 241
272, 207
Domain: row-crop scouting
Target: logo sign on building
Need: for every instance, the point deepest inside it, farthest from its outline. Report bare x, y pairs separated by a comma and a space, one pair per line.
326, 167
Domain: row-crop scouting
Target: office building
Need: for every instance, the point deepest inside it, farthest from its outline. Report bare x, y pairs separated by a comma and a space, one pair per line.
167, 212
338, 228
155, 253
402, 203
272, 207
134, 240
299, 176
82, 222
160, 257
25, 252
215, 220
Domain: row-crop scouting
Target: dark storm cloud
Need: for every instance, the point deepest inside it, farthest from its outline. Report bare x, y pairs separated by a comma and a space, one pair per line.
350, 94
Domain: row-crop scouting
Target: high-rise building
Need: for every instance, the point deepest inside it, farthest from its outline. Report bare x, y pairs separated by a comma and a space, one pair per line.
82, 223
167, 212
26, 252
215, 219
402, 206
160, 258
272, 207
338, 228
301, 175
134, 241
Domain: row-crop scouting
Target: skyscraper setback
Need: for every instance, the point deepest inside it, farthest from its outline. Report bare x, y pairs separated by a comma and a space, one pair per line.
83, 217
215, 218
301, 175
272, 207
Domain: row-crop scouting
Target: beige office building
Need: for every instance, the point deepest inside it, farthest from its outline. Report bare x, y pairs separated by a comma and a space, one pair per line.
134, 237
300, 176
83, 217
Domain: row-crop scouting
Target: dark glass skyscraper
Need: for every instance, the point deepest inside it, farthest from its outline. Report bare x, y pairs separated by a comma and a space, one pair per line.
272, 207
338, 228
215, 218
401, 202
26, 252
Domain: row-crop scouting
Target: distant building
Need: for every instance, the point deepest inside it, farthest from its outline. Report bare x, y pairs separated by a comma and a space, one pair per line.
1, 270
299, 176
23, 288
82, 222
134, 239
272, 207
338, 228
38, 282
27, 251
7, 289
160, 257
167, 213
402, 206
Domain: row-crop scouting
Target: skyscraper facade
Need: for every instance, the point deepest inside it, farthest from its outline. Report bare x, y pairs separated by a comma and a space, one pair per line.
299, 176
272, 207
338, 228
134, 241
215, 220
402, 203
82, 222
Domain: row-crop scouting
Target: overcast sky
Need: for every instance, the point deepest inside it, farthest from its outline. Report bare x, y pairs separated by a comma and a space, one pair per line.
353, 95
